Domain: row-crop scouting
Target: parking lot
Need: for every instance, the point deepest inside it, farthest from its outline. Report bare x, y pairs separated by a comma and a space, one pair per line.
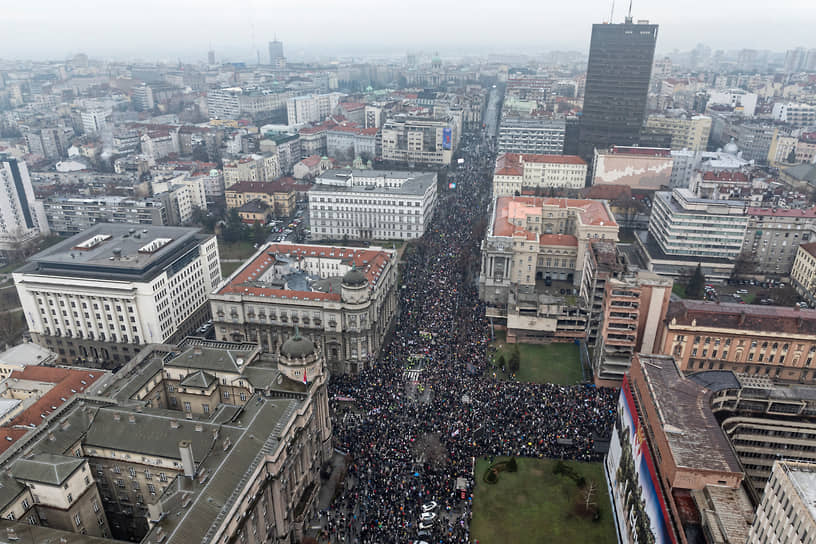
768, 293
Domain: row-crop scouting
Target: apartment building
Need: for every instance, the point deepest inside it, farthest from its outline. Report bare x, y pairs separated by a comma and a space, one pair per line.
689, 133
71, 215
787, 512
531, 136
177, 425
342, 298
773, 238
264, 167
372, 204
771, 341
627, 306
422, 141
312, 108
278, 197
515, 173
22, 216
100, 295
796, 115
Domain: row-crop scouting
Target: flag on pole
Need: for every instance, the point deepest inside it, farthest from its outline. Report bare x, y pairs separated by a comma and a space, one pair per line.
305, 381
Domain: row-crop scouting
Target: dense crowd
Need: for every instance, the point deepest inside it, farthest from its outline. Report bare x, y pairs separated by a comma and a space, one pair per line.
409, 442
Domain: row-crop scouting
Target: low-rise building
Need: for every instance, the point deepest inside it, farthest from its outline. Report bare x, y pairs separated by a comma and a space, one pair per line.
197, 442
312, 166
421, 141
100, 295
279, 197
342, 298
71, 215
21, 356
769, 341
796, 115
516, 173
372, 204
251, 168
644, 168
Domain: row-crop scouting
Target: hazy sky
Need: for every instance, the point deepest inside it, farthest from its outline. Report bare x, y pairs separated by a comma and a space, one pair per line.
169, 29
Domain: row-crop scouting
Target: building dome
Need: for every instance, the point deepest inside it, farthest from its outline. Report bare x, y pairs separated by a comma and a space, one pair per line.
731, 148
297, 347
354, 278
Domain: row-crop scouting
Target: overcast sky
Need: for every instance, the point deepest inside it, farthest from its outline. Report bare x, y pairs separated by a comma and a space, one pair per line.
170, 29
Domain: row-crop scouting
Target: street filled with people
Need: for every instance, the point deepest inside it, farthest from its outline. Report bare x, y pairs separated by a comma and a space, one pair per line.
413, 424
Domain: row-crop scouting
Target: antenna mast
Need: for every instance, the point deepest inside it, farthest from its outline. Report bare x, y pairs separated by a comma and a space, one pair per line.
612, 12
629, 17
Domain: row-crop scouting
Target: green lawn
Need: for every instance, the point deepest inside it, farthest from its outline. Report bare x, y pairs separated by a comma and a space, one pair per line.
229, 268
679, 289
542, 363
535, 506
236, 250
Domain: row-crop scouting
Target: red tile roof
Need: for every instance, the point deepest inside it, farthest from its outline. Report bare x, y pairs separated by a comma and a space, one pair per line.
67, 382
608, 192
591, 212
810, 248
558, 240
370, 261
745, 317
726, 176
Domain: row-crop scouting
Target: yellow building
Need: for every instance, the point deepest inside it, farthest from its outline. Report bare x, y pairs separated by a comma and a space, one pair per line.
279, 197
685, 133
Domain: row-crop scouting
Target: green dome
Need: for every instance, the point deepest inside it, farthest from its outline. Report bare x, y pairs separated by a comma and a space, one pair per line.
297, 347
354, 278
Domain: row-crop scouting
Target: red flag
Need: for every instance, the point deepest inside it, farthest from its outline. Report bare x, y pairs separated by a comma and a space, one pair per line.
305, 381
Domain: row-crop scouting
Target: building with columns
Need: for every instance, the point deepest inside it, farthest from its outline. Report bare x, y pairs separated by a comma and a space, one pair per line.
341, 298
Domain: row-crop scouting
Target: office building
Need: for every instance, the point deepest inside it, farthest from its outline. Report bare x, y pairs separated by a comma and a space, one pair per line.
71, 215
787, 512
686, 132
198, 442
313, 108
100, 295
420, 141
372, 204
531, 135
342, 298
276, 58
685, 231
22, 216
254, 167
617, 85
627, 306
643, 168
516, 173
767, 341
796, 115
672, 473
142, 98
738, 101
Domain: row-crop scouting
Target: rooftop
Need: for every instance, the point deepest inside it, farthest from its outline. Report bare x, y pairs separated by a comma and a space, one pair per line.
512, 210
115, 251
745, 317
509, 159
803, 477
266, 187
46, 468
783, 212
684, 410
26, 354
274, 271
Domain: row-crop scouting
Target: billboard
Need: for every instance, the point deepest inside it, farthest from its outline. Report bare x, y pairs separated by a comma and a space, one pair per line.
638, 172
640, 509
446, 138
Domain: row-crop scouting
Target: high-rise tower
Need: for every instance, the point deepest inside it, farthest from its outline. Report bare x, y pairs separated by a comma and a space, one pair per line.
276, 57
617, 84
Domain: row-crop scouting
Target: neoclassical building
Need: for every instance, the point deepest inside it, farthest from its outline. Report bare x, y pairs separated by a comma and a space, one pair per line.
341, 298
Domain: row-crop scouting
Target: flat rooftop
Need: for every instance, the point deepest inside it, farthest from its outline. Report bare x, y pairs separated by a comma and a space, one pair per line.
684, 408
26, 354
115, 251
510, 210
803, 477
745, 317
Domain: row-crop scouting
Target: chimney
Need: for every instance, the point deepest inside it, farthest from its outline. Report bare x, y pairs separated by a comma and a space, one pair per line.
187, 462
131, 418
742, 318
154, 511
117, 416
174, 424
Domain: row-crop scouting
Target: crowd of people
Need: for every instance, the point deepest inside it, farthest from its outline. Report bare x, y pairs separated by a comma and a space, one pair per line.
409, 439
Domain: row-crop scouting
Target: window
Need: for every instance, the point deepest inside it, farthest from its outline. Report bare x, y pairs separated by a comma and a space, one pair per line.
187, 406
26, 504
151, 488
95, 506
226, 395
77, 520
70, 498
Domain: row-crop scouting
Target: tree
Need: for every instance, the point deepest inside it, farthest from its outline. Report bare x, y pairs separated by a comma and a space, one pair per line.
259, 233
696, 285
792, 156
515, 359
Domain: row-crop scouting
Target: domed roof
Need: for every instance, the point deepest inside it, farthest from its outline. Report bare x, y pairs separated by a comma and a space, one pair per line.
731, 148
297, 346
354, 278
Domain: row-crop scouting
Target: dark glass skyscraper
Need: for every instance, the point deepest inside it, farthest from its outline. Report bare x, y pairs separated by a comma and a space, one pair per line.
617, 84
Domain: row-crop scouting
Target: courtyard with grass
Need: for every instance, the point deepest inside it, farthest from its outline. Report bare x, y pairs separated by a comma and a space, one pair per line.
535, 504
242, 250
558, 363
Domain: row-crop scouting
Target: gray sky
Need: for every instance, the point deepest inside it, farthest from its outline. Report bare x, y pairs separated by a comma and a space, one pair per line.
169, 29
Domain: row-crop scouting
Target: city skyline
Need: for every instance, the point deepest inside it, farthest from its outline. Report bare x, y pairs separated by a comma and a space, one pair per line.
156, 30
